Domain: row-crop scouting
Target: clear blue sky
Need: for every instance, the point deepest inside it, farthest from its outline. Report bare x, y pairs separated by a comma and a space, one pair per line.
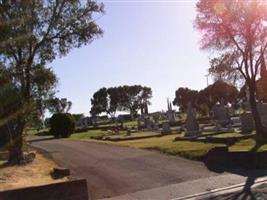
152, 43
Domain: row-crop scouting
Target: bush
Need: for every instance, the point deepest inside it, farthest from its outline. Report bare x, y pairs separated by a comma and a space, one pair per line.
62, 125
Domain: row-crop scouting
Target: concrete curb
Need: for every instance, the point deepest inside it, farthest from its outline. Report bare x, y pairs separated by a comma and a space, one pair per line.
224, 190
196, 189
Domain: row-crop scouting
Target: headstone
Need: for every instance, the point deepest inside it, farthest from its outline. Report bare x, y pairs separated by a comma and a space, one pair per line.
156, 125
138, 123
129, 133
148, 123
170, 113
221, 115
191, 124
166, 128
247, 123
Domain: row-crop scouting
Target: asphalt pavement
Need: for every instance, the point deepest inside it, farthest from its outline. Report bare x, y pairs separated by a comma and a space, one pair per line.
112, 170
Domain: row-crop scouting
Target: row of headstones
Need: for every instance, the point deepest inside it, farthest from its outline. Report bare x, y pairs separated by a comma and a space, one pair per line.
152, 123
223, 120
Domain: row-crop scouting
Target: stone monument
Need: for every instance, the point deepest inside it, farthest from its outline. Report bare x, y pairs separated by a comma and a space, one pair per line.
247, 122
221, 115
191, 124
166, 129
170, 113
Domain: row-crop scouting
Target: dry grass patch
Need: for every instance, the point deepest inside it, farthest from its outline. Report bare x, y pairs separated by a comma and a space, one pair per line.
33, 174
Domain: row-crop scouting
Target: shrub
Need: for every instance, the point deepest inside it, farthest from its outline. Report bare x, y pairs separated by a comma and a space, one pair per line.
62, 125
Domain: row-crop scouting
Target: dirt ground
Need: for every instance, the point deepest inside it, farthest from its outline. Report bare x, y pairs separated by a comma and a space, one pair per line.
33, 174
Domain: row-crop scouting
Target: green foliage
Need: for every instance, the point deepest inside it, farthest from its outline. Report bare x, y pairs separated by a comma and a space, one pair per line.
10, 107
205, 99
122, 98
99, 102
32, 35
88, 134
222, 68
78, 116
56, 105
219, 91
183, 96
62, 125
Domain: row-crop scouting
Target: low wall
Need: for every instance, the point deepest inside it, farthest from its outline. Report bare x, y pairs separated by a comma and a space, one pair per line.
70, 190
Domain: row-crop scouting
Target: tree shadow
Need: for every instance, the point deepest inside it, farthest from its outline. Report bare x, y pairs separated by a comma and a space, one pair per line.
41, 139
246, 193
257, 146
5, 164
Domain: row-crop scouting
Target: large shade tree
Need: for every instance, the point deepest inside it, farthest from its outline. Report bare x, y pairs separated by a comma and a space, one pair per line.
237, 28
32, 34
57, 105
218, 92
184, 96
122, 98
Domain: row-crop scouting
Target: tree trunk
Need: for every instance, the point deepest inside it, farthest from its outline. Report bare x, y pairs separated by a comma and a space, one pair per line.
16, 144
260, 134
142, 109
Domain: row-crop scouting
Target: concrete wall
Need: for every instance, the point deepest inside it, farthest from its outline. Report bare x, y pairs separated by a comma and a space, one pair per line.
71, 190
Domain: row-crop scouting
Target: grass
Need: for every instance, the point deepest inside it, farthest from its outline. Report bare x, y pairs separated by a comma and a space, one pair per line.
87, 135
228, 135
247, 145
191, 150
188, 149
35, 131
166, 144
136, 135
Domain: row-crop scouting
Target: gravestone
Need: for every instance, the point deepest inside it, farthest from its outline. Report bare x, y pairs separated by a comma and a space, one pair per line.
221, 115
170, 113
191, 123
166, 128
148, 123
138, 123
156, 123
129, 132
247, 123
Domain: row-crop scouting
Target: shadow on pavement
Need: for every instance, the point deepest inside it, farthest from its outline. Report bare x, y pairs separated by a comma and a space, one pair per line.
247, 193
41, 139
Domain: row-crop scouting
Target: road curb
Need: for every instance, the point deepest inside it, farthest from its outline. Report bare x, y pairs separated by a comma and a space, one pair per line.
224, 190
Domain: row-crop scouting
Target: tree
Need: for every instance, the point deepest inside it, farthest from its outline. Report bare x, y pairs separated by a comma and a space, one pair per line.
62, 125
261, 83
122, 98
183, 96
99, 102
237, 28
56, 105
129, 99
222, 68
10, 109
113, 101
77, 117
219, 92
145, 96
33, 34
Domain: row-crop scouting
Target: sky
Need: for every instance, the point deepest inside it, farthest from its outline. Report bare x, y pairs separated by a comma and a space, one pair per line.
151, 43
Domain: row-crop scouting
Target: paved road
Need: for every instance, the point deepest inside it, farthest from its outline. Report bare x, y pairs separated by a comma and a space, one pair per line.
112, 170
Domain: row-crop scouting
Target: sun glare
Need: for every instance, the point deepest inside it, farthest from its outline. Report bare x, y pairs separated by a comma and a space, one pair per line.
219, 8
